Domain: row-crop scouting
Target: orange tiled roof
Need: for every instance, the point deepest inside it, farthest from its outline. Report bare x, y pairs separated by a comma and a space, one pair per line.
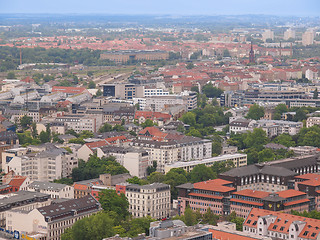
290, 193
220, 235
205, 195
75, 90
252, 193
246, 202
216, 185
97, 144
17, 182
296, 202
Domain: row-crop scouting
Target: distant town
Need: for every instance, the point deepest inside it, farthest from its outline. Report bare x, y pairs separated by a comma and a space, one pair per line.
194, 128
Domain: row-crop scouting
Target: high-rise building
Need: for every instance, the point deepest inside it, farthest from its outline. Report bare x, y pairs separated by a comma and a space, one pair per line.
289, 34
267, 34
308, 38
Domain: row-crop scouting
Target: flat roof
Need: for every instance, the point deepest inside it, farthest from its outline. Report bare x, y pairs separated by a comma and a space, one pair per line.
207, 160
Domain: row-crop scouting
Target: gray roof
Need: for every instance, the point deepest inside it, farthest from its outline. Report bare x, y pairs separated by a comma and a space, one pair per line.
68, 208
259, 169
22, 198
47, 186
149, 186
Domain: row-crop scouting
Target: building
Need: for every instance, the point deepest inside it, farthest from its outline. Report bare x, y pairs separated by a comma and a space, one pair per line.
311, 121
93, 186
55, 190
152, 200
167, 152
280, 225
21, 200
238, 159
203, 195
123, 56
240, 125
176, 230
135, 160
251, 55
289, 33
260, 177
80, 122
308, 38
123, 91
51, 221
267, 34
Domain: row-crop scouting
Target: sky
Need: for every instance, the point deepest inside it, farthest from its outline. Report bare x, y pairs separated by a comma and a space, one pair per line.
173, 7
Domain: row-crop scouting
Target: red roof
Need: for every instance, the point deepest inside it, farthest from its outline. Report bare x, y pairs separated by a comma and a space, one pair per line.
205, 195
97, 144
113, 140
246, 202
290, 193
71, 90
296, 202
154, 132
216, 185
151, 115
221, 235
17, 181
252, 193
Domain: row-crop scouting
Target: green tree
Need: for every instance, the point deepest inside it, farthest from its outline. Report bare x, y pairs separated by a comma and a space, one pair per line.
190, 66
111, 201
256, 139
11, 75
189, 118
211, 92
91, 85
266, 155
34, 130
136, 180
44, 137
201, 173
105, 128
175, 177
118, 128
255, 112
285, 139
300, 115
156, 177
315, 94
147, 123
195, 89
279, 110
226, 53
189, 217
237, 220
194, 132
210, 218
153, 168
25, 122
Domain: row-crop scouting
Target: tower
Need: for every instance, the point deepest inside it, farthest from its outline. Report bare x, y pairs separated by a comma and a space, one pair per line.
251, 55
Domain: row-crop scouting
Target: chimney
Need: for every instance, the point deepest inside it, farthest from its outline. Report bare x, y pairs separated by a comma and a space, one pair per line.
105, 179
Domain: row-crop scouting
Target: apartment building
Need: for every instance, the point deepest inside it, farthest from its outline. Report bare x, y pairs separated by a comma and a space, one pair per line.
149, 200
134, 55
21, 200
311, 121
123, 91
203, 195
308, 38
49, 222
185, 149
277, 127
280, 225
238, 159
80, 123
42, 166
135, 160
55, 190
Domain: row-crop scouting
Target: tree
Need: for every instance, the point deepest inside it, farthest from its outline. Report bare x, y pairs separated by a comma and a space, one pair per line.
211, 92
118, 128
285, 140
189, 217
226, 53
175, 177
255, 112
153, 168
105, 128
256, 139
136, 180
190, 66
25, 122
98, 93
156, 177
201, 173
189, 118
44, 137
300, 115
279, 110
34, 130
315, 94
111, 201
210, 218
195, 89
11, 75
237, 220
147, 123
266, 155
194, 132
91, 85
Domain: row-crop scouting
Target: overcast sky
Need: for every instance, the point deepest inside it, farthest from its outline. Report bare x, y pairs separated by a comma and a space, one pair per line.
178, 7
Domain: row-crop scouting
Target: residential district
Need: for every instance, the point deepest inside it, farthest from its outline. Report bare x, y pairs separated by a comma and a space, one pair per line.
160, 133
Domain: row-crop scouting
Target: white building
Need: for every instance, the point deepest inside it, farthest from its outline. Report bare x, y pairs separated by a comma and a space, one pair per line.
135, 160
53, 97
186, 149
47, 222
80, 122
289, 33
238, 160
267, 34
308, 38
311, 121
150, 92
152, 200
55, 190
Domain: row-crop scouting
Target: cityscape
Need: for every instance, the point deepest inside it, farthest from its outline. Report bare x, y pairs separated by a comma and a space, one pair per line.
133, 120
